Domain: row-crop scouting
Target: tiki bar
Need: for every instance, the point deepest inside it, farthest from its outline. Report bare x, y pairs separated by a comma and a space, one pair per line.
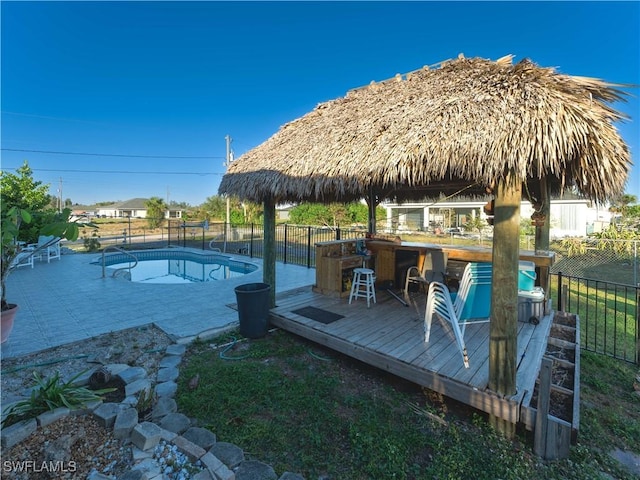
470, 323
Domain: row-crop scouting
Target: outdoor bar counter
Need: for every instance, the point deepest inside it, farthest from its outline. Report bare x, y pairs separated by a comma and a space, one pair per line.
336, 260
391, 258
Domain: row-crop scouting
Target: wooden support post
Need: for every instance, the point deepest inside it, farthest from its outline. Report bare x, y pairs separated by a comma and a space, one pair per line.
542, 409
372, 204
542, 232
269, 258
504, 295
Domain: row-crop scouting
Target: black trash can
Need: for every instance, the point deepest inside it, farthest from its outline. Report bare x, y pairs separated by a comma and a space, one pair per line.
253, 309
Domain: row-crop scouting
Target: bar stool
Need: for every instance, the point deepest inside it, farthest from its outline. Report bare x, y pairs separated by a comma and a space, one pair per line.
364, 285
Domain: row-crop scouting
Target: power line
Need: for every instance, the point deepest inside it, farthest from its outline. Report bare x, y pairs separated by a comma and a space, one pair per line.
117, 171
109, 154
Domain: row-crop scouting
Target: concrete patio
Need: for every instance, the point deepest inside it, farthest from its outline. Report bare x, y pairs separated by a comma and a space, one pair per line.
67, 300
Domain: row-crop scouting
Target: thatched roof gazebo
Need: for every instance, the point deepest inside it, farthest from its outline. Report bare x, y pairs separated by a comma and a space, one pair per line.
461, 126
471, 126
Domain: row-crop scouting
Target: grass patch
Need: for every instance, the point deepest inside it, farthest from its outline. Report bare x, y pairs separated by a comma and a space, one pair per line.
301, 408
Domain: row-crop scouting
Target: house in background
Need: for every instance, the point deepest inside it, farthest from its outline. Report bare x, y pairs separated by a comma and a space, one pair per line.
134, 208
282, 211
570, 216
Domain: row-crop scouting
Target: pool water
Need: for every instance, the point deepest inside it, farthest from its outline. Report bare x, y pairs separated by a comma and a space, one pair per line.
180, 267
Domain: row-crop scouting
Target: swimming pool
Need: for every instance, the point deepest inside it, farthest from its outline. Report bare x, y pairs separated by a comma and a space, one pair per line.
178, 266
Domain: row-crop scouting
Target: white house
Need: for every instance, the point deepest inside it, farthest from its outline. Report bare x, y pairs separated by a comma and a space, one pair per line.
134, 208
570, 216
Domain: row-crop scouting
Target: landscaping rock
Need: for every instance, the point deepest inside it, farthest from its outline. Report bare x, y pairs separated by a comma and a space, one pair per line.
629, 459
59, 450
170, 361
176, 422
290, 476
149, 467
176, 349
142, 384
230, 454
167, 374
17, 432
203, 475
51, 416
190, 449
126, 420
145, 435
254, 470
201, 437
106, 414
132, 374
166, 389
168, 428
134, 475
163, 407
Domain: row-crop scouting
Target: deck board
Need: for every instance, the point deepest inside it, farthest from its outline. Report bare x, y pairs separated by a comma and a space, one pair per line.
390, 336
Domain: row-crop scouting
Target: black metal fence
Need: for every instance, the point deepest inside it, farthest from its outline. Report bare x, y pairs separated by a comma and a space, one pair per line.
608, 311
609, 314
294, 243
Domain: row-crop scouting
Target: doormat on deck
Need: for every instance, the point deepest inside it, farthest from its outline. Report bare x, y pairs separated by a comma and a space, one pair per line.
318, 314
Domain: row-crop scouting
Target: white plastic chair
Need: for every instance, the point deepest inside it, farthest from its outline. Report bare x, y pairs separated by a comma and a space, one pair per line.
48, 247
471, 304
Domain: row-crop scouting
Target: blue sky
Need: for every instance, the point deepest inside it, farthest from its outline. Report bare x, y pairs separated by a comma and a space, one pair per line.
149, 90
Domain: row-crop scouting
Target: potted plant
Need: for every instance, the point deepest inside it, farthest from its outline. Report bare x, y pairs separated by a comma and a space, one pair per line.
12, 219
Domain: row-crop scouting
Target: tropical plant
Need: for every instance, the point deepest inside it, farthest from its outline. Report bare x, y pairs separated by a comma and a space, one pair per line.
145, 401
474, 223
22, 191
49, 394
574, 246
156, 209
91, 242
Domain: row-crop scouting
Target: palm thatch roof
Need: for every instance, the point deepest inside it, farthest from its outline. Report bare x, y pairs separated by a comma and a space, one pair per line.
457, 128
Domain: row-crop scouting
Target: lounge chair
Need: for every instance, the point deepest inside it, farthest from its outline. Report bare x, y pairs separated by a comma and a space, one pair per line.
23, 259
48, 247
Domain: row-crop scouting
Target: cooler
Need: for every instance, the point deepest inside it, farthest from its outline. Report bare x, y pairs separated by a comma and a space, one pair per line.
531, 305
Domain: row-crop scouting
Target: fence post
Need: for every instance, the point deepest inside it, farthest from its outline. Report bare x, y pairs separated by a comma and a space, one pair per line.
559, 305
251, 242
284, 254
338, 235
309, 247
637, 359
635, 263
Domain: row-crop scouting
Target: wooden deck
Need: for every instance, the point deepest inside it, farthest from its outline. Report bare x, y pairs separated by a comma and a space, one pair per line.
390, 336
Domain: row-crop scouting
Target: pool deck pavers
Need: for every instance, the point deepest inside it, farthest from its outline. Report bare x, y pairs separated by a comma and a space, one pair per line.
67, 300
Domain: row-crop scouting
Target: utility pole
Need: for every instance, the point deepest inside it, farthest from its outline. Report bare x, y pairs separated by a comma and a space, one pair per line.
60, 196
229, 159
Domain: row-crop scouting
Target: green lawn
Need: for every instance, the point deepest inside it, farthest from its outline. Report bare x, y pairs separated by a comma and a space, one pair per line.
305, 409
